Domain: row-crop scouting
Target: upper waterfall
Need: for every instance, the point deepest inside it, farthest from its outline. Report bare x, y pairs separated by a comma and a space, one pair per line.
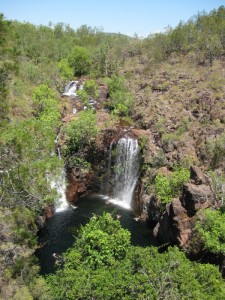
125, 171
70, 89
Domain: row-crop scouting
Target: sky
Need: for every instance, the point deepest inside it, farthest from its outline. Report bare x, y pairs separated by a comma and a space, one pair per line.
141, 17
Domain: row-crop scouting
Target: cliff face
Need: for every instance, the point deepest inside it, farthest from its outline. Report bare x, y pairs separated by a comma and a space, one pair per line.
176, 223
182, 104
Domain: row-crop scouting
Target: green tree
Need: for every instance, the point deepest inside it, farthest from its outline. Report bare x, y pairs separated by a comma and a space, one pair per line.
65, 70
91, 87
46, 106
80, 131
80, 61
103, 265
30, 145
121, 101
6, 66
169, 186
210, 228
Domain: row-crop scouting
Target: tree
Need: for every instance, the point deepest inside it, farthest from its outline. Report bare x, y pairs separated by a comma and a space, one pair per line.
30, 145
80, 61
5, 67
102, 264
210, 229
169, 186
121, 101
80, 132
65, 70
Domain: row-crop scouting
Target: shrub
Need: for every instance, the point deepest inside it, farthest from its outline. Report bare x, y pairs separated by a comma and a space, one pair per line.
169, 186
211, 231
91, 87
80, 131
121, 101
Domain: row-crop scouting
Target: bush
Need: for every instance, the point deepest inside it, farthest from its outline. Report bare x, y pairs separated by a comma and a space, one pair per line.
102, 264
210, 230
121, 101
80, 61
91, 87
80, 132
169, 186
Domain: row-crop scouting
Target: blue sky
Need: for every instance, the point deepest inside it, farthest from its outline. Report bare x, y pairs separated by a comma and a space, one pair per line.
125, 16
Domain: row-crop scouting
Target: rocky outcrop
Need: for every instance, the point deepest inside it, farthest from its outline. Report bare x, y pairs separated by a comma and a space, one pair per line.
174, 226
196, 197
78, 184
197, 193
177, 221
150, 208
103, 92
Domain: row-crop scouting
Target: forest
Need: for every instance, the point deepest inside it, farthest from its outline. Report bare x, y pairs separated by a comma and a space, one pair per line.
170, 86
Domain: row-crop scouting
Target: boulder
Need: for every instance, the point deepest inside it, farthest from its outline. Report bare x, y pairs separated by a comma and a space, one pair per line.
163, 231
150, 208
195, 197
197, 176
182, 224
103, 92
175, 227
78, 184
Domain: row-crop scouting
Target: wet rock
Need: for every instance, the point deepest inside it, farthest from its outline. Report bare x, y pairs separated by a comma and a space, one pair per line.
48, 211
78, 184
150, 208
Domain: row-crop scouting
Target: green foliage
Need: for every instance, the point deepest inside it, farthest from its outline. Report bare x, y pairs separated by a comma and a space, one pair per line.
103, 265
143, 142
46, 106
30, 145
101, 242
80, 132
25, 228
218, 185
6, 67
80, 61
121, 101
65, 70
79, 162
82, 94
216, 150
169, 186
211, 230
91, 87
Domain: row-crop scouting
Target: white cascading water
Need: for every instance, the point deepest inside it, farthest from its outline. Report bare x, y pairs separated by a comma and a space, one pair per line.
125, 171
59, 184
70, 89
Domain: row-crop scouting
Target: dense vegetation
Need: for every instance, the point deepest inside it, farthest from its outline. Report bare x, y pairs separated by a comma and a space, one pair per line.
103, 265
172, 83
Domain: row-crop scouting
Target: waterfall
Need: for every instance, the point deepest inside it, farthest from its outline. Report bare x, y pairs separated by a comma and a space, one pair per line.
70, 89
59, 184
125, 171
57, 147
